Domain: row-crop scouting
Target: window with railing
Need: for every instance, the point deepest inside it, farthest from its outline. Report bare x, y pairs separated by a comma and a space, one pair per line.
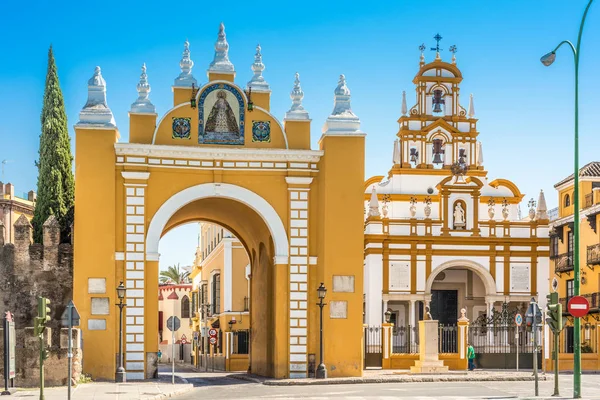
241, 341
553, 247
563, 262
593, 254
185, 307
216, 294
570, 289
588, 200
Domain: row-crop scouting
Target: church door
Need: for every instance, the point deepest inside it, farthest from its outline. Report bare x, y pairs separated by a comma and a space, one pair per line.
444, 306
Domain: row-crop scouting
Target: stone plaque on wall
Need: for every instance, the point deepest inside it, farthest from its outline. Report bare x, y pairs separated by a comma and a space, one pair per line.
100, 306
343, 283
338, 309
399, 276
519, 278
96, 324
97, 285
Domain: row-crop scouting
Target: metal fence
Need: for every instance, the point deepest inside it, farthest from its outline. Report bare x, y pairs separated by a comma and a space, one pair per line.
447, 338
405, 340
241, 341
496, 338
589, 343
372, 346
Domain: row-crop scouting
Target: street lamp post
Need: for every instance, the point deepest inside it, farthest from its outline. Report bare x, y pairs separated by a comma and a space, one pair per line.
321, 369
120, 375
547, 60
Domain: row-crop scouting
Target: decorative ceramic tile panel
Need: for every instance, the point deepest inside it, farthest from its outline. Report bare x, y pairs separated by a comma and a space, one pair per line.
261, 131
182, 128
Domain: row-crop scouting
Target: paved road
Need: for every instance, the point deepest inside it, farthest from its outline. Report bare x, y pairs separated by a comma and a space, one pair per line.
218, 386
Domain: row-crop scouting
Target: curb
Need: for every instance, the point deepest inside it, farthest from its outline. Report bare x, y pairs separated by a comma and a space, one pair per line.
308, 382
173, 394
246, 378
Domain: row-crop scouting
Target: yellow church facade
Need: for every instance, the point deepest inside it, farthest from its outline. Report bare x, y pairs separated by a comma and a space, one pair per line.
219, 155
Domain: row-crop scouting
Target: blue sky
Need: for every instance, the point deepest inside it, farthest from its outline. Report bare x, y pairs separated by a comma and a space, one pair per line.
525, 110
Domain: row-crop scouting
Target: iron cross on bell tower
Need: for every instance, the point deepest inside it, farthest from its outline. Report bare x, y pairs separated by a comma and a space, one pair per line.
437, 38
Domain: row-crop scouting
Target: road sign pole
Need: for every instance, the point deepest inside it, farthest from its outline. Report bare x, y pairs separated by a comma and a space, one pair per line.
535, 366
173, 357
556, 339
518, 328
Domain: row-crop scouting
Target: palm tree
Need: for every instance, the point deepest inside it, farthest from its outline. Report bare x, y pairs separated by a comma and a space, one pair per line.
175, 275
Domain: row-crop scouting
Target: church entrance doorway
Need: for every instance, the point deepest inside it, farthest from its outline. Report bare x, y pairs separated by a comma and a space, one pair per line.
444, 306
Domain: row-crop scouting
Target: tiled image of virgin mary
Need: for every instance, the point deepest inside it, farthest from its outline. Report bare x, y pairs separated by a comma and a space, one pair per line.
221, 115
221, 118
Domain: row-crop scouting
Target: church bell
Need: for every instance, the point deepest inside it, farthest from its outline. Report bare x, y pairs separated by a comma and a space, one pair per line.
437, 151
437, 101
414, 155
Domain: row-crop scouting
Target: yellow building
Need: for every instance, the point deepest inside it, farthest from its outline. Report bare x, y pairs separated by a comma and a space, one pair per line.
441, 234
12, 206
174, 300
561, 263
221, 286
220, 155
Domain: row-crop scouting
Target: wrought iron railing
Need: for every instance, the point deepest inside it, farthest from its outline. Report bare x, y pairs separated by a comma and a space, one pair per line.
493, 338
593, 254
563, 262
405, 340
448, 339
241, 341
588, 200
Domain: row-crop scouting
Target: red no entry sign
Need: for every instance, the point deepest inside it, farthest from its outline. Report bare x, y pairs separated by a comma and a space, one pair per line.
578, 306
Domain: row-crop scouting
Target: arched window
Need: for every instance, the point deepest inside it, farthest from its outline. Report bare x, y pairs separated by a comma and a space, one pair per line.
567, 200
185, 307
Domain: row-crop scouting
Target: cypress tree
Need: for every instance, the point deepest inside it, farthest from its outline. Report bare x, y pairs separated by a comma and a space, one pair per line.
55, 187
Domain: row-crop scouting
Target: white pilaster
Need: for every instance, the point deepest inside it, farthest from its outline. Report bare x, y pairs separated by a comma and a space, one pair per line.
135, 195
298, 188
374, 289
227, 275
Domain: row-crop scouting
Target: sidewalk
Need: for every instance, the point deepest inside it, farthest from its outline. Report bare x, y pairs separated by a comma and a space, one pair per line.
144, 390
399, 376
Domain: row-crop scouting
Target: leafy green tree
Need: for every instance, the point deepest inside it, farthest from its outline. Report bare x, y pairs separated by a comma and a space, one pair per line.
174, 274
56, 186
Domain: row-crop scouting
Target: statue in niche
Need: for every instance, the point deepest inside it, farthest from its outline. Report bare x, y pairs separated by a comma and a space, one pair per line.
459, 217
221, 118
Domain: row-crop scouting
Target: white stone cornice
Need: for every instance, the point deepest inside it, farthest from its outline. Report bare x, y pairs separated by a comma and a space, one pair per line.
135, 175
279, 260
212, 153
298, 180
152, 256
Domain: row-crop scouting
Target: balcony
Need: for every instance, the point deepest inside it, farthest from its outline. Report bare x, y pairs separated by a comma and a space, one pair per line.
588, 200
593, 254
563, 263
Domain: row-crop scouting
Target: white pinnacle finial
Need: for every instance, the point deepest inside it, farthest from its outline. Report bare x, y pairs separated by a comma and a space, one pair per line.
471, 112
96, 111
396, 156
404, 107
374, 204
258, 82
221, 61
479, 154
185, 78
297, 111
143, 103
342, 119
541, 211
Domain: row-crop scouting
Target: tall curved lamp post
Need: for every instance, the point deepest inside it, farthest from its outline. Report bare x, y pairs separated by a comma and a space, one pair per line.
321, 369
547, 60
121, 375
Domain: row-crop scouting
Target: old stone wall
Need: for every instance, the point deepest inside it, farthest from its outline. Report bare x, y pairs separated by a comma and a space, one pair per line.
29, 270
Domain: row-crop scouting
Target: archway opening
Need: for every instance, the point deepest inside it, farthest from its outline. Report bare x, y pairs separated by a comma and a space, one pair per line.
231, 290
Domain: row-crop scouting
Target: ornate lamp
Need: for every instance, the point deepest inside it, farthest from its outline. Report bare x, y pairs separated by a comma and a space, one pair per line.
250, 105
321, 369
388, 315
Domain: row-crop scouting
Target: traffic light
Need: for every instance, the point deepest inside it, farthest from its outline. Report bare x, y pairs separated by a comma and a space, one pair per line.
554, 318
43, 315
